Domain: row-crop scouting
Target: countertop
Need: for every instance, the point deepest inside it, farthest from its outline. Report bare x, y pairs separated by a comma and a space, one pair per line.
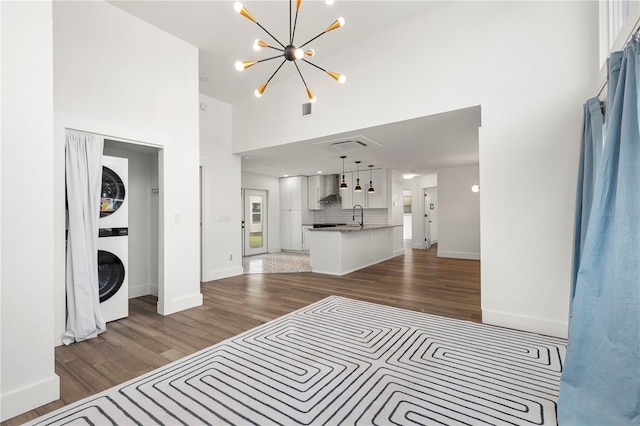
352, 228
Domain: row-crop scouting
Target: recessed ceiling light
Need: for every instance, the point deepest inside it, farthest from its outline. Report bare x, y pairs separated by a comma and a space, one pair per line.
409, 176
319, 172
285, 175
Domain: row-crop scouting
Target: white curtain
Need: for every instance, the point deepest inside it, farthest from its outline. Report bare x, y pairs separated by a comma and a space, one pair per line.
83, 167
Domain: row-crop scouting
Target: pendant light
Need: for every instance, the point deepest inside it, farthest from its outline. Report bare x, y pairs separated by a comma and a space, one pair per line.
371, 190
343, 184
357, 188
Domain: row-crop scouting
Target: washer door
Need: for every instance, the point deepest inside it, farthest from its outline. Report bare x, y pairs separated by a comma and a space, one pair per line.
110, 274
113, 194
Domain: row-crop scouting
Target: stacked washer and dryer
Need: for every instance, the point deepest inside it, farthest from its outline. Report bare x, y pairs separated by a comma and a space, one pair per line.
113, 245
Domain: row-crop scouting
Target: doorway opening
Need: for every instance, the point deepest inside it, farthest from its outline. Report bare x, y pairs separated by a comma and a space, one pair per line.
430, 209
255, 222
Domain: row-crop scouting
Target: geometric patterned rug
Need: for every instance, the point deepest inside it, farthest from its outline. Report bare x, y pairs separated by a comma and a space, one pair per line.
281, 262
345, 362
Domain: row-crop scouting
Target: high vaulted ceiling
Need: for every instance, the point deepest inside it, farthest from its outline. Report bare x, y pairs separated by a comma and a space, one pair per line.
419, 146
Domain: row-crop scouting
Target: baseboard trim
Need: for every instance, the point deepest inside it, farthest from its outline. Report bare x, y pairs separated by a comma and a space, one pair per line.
458, 255
224, 273
143, 290
396, 254
525, 323
30, 397
180, 304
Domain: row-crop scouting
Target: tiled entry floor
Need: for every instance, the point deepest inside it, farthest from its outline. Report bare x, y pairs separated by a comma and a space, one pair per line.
285, 261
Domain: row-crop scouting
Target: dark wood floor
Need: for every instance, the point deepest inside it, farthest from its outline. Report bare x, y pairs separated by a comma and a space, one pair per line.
144, 341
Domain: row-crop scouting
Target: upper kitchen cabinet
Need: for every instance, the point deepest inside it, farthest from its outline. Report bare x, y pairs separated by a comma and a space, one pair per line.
294, 211
293, 193
347, 194
317, 191
377, 199
368, 200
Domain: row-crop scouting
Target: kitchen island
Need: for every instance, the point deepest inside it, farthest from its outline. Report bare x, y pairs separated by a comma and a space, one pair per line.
340, 250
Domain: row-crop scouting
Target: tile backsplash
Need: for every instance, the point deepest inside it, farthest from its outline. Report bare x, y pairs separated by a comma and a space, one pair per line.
334, 213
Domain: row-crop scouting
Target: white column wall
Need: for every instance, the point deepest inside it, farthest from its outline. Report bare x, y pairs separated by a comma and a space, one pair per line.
222, 200
119, 76
27, 190
530, 66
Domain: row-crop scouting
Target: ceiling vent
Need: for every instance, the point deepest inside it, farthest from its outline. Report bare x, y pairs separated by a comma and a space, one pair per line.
306, 109
347, 146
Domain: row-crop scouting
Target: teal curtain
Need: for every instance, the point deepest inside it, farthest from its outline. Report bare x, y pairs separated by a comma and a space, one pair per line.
590, 155
600, 384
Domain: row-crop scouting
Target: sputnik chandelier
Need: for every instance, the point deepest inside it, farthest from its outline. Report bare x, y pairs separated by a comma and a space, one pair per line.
290, 52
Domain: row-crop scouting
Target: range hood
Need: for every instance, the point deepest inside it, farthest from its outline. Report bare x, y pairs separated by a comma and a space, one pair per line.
332, 185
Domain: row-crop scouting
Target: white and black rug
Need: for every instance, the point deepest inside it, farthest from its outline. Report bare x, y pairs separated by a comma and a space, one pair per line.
345, 362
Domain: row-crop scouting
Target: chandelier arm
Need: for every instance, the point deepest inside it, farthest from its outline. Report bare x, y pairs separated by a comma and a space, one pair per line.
322, 33
311, 63
295, 23
290, 33
275, 48
270, 35
303, 82
276, 71
268, 59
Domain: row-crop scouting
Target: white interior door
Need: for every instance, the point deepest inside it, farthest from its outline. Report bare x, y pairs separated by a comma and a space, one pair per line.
255, 222
431, 215
426, 218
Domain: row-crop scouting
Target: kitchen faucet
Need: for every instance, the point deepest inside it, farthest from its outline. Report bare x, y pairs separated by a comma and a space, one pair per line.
361, 214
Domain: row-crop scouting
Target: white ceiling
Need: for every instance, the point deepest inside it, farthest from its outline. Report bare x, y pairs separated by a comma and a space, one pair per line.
419, 146
223, 37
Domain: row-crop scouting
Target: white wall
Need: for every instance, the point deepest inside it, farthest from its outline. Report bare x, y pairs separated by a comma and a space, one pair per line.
530, 66
395, 191
272, 186
27, 190
222, 201
118, 76
143, 220
459, 213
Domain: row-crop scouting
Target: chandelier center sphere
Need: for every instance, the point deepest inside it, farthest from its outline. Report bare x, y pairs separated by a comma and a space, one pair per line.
291, 53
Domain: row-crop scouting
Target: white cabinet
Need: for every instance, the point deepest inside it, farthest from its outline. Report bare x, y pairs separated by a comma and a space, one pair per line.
376, 200
293, 193
347, 194
316, 191
305, 236
293, 211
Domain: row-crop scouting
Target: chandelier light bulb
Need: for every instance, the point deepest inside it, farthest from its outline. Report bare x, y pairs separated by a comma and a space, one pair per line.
260, 90
310, 95
299, 53
340, 78
240, 65
256, 45
336, 24
328, 2
238, 6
